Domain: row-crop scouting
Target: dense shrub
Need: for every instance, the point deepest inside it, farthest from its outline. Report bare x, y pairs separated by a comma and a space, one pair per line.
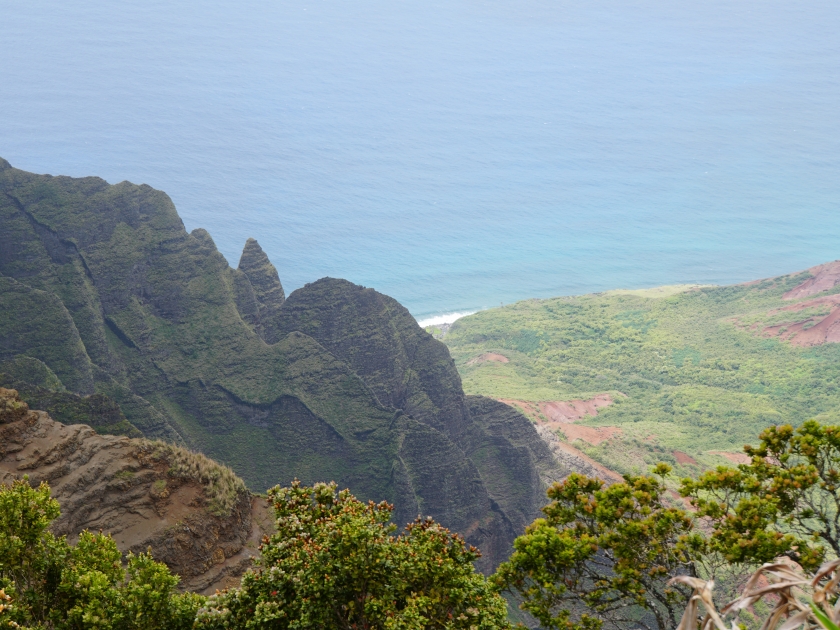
47, 583
605, 553
333, 563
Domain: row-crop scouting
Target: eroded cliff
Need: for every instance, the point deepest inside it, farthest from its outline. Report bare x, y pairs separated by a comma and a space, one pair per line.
195, 515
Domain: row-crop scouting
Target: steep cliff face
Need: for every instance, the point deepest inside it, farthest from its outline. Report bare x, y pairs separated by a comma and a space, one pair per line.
103, 286
145, 494
476, 464
402, 365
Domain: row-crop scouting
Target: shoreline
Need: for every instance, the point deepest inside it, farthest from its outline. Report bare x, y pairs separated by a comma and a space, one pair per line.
665, 290
447, 319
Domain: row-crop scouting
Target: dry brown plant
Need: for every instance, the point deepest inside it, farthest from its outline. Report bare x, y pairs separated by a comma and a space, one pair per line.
809, 602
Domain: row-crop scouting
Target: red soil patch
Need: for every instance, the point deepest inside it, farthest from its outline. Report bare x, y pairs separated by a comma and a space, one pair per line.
684, 458
824, 277
571, 410
561, 414
605, 473
488, 356
593, 435
735, 458
530, 409
810, 330
825, 330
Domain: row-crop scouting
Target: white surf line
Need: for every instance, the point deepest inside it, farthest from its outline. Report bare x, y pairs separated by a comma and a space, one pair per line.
447, 318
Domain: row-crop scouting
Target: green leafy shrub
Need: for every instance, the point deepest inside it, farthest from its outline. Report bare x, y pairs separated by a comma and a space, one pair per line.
46, 583
604, 553
785, 502
333, 563
697, 376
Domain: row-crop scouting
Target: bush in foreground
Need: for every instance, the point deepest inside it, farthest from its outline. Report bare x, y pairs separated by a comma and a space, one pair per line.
785, 502
46, 583
604, 554
333, 563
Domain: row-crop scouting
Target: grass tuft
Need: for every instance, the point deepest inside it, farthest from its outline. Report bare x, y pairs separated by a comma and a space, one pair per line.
222, 488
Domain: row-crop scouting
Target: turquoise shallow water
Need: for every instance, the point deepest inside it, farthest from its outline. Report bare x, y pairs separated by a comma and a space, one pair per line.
454, 155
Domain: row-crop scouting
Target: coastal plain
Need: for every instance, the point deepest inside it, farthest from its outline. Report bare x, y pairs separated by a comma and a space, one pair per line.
683, 374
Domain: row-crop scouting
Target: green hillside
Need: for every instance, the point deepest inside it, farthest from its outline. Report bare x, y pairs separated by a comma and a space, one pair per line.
694, 369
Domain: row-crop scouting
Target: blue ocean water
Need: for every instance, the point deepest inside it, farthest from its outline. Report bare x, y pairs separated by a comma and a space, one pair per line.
455, 154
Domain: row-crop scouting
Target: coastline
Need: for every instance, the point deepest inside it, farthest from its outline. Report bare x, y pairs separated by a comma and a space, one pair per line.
447, 319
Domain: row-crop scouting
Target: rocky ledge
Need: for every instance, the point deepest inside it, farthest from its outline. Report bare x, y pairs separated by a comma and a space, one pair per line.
194, 514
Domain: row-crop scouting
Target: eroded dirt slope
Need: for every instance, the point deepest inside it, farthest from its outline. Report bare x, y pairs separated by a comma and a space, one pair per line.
195, 515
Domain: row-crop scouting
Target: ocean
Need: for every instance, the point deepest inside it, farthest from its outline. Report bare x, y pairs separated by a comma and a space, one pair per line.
455, 155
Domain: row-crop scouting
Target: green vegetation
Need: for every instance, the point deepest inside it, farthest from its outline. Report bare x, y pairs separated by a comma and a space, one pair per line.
32, 371
785, 502
333, 563
604, 553
686, 370
622, 554
47, 583
626, 555
37, 388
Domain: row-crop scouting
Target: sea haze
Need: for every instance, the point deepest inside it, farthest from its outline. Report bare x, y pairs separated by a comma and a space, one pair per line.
454, 155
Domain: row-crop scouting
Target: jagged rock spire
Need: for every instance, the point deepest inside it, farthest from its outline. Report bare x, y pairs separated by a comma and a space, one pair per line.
262, 275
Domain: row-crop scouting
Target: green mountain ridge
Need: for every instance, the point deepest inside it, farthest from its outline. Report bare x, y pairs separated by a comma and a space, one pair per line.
104, 296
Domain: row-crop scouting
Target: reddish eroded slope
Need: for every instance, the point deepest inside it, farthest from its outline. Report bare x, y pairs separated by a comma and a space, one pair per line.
823, 277
562, 411
571, 410
145, 494
593, 435
800, 325
684, 458
574, 459
810, 331
562, 415
804, 327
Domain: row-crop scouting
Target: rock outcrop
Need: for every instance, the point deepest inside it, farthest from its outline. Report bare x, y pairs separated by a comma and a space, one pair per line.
477, 465
264, 283
147, 495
